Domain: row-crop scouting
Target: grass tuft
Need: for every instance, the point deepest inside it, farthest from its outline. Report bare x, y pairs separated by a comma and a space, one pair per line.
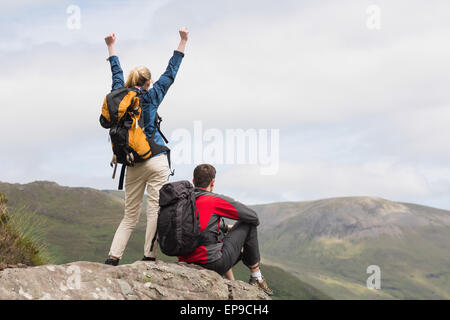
20, 237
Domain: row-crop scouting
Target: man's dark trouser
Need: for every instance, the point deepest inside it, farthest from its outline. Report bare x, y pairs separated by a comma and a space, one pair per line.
241, 236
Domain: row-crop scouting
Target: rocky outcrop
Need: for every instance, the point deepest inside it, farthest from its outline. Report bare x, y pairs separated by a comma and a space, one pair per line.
137, 281
7, 265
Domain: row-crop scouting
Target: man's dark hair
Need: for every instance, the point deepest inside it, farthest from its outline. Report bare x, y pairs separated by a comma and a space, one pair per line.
203, 175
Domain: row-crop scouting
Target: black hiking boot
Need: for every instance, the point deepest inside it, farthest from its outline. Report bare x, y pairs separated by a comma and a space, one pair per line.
112, 262
262, 284
148, 259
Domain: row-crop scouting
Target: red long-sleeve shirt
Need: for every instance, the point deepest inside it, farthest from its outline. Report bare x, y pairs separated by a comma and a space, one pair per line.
212, 208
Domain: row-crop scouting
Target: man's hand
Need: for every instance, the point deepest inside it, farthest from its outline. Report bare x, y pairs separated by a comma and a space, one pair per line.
184, 33
110, 39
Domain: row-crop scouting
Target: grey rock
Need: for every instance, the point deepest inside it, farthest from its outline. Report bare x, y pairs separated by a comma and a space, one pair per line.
138, 281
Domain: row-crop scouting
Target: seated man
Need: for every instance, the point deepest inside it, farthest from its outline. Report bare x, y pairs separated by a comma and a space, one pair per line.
225, 245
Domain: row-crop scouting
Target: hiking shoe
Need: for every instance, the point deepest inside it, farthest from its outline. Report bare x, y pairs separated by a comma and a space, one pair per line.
148, 259
262, 284
112, 262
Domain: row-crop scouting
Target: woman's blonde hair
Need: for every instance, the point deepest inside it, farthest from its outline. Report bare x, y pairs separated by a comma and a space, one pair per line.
138, 76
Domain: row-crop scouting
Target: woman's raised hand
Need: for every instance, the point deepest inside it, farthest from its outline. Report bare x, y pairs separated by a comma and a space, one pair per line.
184, 33
184, 37
110, 39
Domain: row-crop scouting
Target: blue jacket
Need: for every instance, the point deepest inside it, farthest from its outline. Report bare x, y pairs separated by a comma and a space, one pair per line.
151, 99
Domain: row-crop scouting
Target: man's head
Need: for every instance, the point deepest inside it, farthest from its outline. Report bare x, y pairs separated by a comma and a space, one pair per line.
204, 176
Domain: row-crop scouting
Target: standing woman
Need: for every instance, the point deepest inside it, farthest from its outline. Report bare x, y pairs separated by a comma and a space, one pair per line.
152, 173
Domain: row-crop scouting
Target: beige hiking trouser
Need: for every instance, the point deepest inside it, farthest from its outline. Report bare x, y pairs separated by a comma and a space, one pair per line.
152, 174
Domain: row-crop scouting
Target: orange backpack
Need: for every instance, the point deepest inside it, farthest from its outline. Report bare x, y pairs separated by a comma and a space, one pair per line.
120, 114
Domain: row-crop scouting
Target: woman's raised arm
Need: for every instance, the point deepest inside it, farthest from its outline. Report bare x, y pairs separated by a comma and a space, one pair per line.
164, 82
117, 73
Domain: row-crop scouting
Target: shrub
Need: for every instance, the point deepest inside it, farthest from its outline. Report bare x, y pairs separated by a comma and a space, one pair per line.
20, 241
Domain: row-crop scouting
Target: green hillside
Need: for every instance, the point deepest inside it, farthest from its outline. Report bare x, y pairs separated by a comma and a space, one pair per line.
330, 243
79, 224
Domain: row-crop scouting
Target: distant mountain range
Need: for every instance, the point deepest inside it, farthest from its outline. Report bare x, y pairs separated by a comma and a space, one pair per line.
325, 245
330, 243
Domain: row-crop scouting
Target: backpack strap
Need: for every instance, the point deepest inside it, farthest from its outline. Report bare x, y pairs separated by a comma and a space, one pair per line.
158, 121
157, 126
122, 176
172, 171
153, 240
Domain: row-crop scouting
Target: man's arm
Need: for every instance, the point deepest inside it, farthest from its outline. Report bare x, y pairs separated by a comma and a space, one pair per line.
230, 208
163, 84
117, 73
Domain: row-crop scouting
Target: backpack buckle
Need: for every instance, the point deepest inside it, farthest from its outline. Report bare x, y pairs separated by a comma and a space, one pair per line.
130, 159
113, 164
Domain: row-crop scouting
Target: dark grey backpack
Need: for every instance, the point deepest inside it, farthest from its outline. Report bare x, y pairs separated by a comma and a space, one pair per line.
178, 222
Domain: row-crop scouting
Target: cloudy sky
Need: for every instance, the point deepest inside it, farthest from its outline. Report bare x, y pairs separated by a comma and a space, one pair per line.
360, 110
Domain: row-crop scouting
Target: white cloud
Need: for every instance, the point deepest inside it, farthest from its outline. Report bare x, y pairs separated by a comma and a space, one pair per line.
359, 112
